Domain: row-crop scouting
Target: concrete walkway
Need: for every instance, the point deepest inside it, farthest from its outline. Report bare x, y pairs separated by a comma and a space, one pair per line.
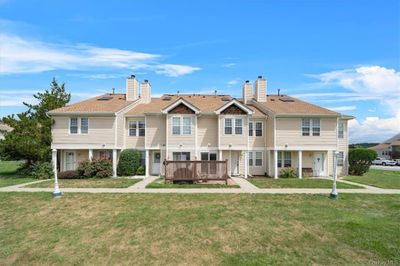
245, 187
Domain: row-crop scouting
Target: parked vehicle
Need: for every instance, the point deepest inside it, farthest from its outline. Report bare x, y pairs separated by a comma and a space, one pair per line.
383, 161
397, 161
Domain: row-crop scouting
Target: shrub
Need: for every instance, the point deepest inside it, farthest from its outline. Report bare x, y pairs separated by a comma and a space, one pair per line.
68, 175
95, 168
140, 170
42, 170
360, 160
129, 162
287, 172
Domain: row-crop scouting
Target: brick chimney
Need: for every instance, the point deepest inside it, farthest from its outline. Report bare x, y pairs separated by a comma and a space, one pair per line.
247, 92
132, 88
260, 89
145, 89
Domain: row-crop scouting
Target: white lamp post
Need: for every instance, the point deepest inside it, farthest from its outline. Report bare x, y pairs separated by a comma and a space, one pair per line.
57, 192
334, 193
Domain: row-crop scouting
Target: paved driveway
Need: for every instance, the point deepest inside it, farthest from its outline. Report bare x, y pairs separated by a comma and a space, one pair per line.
387, 168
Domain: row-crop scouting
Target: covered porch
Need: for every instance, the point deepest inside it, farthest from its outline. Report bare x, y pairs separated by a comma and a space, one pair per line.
307, 163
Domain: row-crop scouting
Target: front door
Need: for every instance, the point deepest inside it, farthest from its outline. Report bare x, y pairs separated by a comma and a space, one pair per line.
70, 161
234, 163
319, 164
156, 163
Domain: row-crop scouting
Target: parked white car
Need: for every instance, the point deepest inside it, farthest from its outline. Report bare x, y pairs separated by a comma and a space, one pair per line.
383, 161
397, 161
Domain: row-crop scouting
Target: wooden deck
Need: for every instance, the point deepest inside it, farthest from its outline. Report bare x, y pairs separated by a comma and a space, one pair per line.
196, 170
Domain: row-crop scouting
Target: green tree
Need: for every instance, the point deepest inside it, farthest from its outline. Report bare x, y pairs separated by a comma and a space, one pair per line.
360, 160
30, 138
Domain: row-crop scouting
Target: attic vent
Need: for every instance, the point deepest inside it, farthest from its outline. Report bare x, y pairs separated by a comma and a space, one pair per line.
225, 99
167, 99
105, 98
286, 100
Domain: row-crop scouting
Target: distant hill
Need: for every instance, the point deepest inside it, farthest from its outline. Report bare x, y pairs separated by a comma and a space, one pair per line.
362, 145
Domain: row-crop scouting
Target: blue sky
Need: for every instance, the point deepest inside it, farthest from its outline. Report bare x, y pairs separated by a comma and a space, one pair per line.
344, 55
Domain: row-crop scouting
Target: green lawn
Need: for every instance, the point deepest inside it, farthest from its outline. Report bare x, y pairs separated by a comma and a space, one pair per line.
89, 183
199, 229
9, 176
264, 182
159, 183
378, 178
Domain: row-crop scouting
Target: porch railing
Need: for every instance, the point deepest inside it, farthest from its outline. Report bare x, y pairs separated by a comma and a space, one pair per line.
196, 170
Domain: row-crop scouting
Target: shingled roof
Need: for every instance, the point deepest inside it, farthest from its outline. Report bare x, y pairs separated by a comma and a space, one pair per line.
106, 103
286, 105
205, 103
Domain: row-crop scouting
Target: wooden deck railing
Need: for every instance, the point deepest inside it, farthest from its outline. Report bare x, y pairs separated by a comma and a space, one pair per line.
196, 170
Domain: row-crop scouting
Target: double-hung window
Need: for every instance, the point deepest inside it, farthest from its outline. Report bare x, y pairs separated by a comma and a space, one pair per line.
79, 125
181, 125
258, 129
341, 130
250, 158
73, 126
233, 126
251, 129
238, 126
187, 126
137, 128
340, 159
228, 126
310, 127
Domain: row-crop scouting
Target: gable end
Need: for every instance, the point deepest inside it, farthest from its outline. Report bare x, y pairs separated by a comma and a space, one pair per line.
181, 109
233, 110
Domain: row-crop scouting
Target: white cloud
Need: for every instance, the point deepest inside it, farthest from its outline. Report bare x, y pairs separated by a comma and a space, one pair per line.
232, 82
343, 108
229, 65
21, 55
174, 70
367, 83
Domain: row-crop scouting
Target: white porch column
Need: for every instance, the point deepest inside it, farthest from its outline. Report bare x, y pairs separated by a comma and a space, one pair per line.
114, 162
90, 154
220, 155
147, 162
275, 164
300, 167
57, 192
246, 167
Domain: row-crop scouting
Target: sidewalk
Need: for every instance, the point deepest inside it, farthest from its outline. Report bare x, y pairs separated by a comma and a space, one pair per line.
245, 187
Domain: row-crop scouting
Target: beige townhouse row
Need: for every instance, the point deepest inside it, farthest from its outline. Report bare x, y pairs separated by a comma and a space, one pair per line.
257, 134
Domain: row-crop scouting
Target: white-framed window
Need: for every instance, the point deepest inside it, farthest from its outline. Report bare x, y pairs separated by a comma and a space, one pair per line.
285, 158
251, 129
137, 128
310, 127
181, 156
238, 126
176, 125
259, 126
250, 158
341, 130
340, 159
228, 126
233, 126
316, 126
79, 125
181, 125
259, 158
73, 125
187, 125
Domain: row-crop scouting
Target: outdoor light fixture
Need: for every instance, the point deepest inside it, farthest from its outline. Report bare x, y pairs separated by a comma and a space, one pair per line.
334, 193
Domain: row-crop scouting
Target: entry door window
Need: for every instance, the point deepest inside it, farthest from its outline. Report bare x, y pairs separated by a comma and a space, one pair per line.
181, 156
157, 157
